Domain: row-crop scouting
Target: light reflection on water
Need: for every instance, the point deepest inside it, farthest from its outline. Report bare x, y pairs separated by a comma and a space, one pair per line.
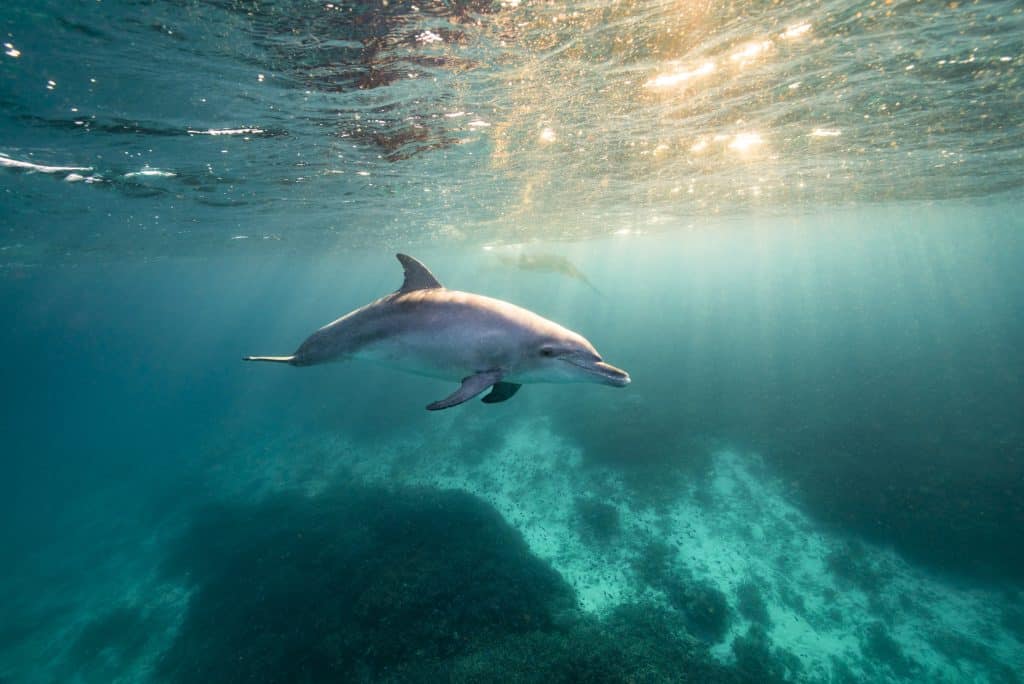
499, 120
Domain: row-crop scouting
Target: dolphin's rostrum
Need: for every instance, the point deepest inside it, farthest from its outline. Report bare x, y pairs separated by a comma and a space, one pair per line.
426, 329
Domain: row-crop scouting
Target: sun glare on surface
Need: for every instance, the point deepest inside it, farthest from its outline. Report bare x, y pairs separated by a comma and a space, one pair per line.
680, 78
745, 142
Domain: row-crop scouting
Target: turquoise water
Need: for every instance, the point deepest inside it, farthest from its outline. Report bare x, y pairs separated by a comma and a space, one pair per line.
798, 227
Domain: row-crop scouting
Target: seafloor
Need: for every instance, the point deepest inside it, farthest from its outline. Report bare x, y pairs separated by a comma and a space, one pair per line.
473, 552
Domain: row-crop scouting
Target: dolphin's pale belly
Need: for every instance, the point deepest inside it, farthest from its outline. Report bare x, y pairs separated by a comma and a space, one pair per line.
447, 352
415, 359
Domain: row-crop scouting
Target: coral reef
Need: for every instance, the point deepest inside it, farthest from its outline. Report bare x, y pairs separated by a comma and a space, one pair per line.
371, 584
351, 582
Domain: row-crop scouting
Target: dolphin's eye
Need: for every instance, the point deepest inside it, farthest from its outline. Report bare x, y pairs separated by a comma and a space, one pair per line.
547, 351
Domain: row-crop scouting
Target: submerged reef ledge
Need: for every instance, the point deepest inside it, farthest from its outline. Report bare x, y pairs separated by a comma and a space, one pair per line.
362, 583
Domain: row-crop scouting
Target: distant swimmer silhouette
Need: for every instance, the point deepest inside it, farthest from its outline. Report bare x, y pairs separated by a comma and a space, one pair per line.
426, 329
547, 263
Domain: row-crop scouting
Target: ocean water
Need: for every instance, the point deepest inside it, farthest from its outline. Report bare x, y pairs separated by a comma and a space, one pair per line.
799, 226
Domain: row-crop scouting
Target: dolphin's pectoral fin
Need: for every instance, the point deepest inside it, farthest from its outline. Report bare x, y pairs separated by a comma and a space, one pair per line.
417, 276
471, 386
501, 392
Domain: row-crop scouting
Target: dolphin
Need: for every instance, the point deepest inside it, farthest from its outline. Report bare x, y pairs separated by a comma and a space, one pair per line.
426, 329
549, 263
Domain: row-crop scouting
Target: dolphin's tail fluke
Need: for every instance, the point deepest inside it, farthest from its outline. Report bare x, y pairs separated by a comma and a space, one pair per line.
272, 359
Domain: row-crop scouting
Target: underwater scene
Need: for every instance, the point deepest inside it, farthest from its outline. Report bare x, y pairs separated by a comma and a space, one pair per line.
717, 309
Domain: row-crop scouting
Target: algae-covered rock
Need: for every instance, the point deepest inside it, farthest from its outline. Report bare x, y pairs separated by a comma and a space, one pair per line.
364, 584
635, 643
351, 583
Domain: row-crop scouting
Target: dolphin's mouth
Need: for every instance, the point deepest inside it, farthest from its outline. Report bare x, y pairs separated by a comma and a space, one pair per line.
608, 373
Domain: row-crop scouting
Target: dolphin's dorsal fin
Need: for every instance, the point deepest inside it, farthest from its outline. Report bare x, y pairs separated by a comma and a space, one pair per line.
417, 276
